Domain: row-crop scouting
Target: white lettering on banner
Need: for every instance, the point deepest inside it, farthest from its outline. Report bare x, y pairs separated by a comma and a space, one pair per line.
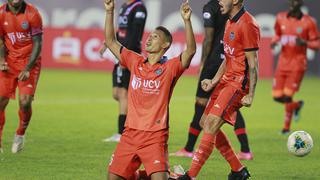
66, 49
177, 48
91, 48
63, 17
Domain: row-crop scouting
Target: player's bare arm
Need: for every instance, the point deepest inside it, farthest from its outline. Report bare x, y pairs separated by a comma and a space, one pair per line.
36, 50
206, 45
252, 58
191, 43
110, 39
208, 84
3, 63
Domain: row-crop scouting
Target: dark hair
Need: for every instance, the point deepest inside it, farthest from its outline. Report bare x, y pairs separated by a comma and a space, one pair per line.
166, 33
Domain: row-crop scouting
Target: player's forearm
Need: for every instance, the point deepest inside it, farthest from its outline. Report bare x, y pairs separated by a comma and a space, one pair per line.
314, 44
206, 48
109, 28
36, 50
219, 73
253, 73
191, 42
2, 52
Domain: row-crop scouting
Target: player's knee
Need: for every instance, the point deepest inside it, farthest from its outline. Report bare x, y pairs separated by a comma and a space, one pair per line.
25, 104
201, 101
287, 99
212, 124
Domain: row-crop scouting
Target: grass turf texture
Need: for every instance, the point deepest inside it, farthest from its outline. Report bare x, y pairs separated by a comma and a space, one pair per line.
74, 111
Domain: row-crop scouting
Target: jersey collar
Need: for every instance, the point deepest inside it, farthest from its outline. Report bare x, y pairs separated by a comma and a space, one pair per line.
22, 10
238, 15
162, 60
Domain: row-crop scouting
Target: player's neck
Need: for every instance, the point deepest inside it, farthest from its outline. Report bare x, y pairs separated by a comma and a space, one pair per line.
15, 10
154, 58
235, 11
296, 13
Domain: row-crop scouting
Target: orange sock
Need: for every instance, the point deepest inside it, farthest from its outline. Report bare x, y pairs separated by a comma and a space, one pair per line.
25, 117
202, 154
224, 146
2, 121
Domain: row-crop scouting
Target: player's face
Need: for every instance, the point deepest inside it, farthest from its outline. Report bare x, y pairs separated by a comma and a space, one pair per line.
15, 3
225, 6
155, 42
295, 4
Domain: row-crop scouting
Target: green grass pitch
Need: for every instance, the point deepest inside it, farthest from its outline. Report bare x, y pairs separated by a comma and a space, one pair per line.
74, 111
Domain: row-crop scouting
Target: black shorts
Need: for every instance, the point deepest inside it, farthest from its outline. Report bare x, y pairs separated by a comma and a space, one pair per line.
208, 72
120, 77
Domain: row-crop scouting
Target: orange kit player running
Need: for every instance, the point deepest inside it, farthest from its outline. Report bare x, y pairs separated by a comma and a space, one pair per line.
144, 140
236, 81
20, 46
295, 32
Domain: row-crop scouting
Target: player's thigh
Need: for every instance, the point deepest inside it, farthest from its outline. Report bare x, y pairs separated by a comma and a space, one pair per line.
29, 86
112, 176
227, 103
8, 84
124, 161
279, 81
160, 176
293, 83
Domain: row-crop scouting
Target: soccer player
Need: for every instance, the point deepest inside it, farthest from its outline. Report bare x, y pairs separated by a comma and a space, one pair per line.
20, 47
144, 140
131, 22
295, 32
235, 84
211, 59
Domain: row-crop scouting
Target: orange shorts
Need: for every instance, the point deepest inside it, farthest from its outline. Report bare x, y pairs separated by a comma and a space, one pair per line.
286, 83
225, 101
9, 82
138, 147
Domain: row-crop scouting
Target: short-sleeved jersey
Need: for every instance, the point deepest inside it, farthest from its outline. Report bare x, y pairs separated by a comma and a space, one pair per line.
131, 22
241, 34
213, 18
287, 29
150, 90
17, 31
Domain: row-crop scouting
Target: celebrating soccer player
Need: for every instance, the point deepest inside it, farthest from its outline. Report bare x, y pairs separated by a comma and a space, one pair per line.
235, 84
295, 32
20, 46
144, 140
211, 59
131, 22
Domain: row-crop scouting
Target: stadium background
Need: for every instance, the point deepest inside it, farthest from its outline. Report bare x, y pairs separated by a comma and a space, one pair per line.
73, 32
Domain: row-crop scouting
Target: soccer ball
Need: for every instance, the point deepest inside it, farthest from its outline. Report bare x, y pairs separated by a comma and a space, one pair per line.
300, 143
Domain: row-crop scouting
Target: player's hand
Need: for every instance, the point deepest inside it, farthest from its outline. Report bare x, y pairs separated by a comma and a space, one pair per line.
207, 84
186, 10
247, 100
4, 66
273, 45
109, 5
300, 42
24, 75
102, 49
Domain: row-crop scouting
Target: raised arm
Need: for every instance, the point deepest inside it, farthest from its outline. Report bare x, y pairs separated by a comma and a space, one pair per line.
252, 57
191, 43
110, 38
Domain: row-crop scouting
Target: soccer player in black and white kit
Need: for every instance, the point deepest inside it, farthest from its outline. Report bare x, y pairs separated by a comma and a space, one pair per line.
211, 59
131, 23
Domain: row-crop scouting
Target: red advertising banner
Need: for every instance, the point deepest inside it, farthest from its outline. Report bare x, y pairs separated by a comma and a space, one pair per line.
79, 49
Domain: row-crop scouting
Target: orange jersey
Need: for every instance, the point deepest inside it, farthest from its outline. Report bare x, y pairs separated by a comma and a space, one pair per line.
150, 90
287, 30
241, 34
17, 31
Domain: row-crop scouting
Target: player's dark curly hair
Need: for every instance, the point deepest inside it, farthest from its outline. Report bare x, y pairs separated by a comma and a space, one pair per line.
166, 33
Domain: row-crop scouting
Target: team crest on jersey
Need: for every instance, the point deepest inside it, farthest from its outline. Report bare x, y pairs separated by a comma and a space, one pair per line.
25, 25
232, 36
299, 30
158, 71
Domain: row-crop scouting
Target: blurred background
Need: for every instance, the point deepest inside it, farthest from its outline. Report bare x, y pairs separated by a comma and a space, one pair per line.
74, 31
